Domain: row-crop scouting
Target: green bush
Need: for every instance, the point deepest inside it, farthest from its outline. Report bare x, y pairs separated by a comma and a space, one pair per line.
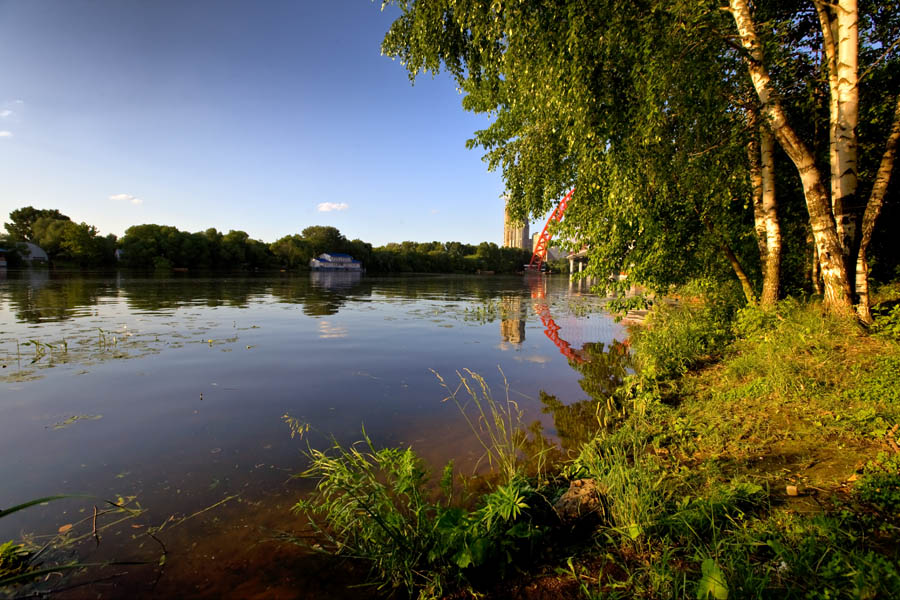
753, 321
881, 491
677, 339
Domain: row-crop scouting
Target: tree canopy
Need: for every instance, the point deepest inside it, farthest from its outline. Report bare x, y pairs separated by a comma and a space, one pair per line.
20, 227
648, 111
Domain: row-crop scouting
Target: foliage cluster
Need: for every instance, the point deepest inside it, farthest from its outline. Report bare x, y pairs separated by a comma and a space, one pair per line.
164, 247
652, 116
449, 257
887, 320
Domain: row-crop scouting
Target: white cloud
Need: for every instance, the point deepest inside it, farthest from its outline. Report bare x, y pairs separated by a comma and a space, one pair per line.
434, 211
126, 197
4, 134
5, 113
330, 206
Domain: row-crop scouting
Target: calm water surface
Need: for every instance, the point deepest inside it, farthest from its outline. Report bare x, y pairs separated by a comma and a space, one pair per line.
174, 391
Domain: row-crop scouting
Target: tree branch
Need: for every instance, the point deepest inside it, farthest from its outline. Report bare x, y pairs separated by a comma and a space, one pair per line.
878, 60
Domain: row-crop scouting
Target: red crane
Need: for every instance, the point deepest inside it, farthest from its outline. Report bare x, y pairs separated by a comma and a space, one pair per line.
543, 243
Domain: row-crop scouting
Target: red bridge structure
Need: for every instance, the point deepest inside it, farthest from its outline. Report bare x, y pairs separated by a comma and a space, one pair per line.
538, 293
543, 243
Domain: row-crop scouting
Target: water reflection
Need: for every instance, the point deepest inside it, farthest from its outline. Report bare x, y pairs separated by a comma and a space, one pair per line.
165, 295
34, 300
335, 280
603, 370
102, 306
40, 296
512, 326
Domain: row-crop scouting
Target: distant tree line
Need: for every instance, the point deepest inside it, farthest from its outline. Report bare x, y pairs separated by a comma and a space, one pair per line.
162, 247
64, 241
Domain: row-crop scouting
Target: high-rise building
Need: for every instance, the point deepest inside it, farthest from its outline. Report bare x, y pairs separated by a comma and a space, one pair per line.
515, 233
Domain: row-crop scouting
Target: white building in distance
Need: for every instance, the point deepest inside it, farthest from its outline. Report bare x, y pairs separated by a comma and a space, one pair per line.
335, 261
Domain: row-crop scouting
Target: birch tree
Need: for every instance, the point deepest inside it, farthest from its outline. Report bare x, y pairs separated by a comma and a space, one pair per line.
761, 160
834, 217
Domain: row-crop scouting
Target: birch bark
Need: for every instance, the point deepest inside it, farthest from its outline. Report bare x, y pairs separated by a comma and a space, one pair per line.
834, 272
761, 155
772, 265
844, 205
873, 209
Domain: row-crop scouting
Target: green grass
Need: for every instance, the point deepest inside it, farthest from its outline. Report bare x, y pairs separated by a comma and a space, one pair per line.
795, 398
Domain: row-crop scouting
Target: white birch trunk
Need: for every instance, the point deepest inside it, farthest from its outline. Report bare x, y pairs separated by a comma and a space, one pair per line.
772, 266
815, 275
873, 209
827, 23
756, 185
834, 272
845, 205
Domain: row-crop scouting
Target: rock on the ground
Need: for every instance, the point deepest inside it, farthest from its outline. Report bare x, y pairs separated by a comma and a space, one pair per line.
584, 499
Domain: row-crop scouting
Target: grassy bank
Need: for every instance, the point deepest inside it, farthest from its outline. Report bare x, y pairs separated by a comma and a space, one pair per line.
753, 454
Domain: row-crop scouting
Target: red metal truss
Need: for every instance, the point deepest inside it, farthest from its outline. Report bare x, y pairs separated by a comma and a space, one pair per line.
543, 243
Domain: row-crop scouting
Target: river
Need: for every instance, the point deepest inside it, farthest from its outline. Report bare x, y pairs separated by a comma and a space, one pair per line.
171, 394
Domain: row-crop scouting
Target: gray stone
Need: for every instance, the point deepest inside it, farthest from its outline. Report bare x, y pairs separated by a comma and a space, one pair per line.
585, 499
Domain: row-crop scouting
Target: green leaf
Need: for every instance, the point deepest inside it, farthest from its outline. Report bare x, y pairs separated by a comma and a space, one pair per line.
521, 530
479, 549
25, 505
634, 531
712, 584
463, 558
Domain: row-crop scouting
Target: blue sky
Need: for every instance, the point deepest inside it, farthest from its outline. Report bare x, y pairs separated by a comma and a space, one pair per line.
234, 115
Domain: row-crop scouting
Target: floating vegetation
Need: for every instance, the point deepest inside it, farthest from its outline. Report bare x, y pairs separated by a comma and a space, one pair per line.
74, 419
77, 344
26, 564
41, 349
486, 311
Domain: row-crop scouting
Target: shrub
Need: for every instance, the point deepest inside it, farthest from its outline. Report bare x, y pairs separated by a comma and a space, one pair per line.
887, 321
677, 339
375, 506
